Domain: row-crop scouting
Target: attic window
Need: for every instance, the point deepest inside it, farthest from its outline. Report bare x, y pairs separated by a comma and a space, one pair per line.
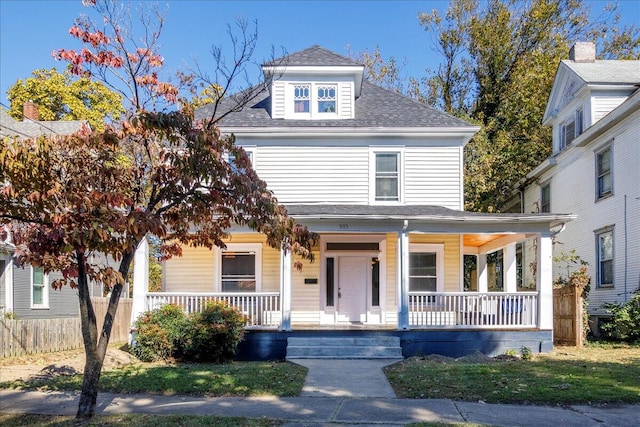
326, 99
571, 128
301, 98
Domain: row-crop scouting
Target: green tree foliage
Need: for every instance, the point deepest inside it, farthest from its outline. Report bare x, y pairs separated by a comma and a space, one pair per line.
624, 324
385, 73
498, 62
61, 96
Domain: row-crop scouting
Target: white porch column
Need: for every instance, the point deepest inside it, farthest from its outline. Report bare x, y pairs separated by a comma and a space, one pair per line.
510, 269
403, 276
285, 290
483, 279
544, 281
140, 281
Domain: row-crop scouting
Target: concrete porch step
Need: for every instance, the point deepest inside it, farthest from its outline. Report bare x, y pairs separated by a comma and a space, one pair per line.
344, 348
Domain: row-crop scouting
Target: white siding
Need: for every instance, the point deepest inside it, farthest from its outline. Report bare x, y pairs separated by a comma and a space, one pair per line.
573, 184
278, 100
432, 176
315, 174
603, 105
345, 100
192, 272
340, 172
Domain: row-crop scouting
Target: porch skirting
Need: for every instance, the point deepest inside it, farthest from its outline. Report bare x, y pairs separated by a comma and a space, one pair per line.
272, 345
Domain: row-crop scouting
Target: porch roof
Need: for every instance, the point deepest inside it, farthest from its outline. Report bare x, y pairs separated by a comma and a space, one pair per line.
420, 219
430, 213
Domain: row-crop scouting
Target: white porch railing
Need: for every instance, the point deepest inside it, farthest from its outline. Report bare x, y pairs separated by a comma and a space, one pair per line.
261, 309
473, 309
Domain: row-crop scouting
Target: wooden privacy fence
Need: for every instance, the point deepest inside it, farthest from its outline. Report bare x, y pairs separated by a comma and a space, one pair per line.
567, 316
20, 337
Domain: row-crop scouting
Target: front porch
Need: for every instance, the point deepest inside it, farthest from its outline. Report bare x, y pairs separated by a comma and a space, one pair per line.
427, 310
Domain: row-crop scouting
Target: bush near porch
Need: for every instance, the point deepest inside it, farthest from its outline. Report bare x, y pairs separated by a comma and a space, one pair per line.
167, 333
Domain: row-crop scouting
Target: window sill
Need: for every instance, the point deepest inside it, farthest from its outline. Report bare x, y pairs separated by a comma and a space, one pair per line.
39, 307
605, 287
604, 197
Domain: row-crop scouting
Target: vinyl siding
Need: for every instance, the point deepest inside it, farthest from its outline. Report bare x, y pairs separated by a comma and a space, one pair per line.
432, 176
345, 100
62, 303
278, 100
601, 105
573, 183
305, 299
195, 271
313, 174
301, 172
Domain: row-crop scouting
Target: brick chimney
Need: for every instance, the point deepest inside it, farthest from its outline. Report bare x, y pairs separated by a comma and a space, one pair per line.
30, 111
583, 52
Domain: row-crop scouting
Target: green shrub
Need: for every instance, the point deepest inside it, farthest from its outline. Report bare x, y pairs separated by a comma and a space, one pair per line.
159, 333
624, 324
167, 333
214, 334
526, 353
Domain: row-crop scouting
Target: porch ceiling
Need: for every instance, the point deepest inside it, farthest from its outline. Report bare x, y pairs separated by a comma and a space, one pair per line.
477, 240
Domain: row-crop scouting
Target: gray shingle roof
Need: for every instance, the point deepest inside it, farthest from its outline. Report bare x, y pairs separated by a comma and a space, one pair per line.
31, 128
376, 107
606, 71
314, 56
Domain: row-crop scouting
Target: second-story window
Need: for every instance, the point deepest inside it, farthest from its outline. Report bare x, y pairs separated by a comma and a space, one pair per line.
571, 128
545, 198
387, 176
326, 99
604, 182
301, 98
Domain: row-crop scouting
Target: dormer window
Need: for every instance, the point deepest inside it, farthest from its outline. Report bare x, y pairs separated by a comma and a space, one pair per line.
301, 98
571, 128
326, 99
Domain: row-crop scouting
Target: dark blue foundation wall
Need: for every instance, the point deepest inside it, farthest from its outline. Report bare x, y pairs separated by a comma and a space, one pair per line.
272, 345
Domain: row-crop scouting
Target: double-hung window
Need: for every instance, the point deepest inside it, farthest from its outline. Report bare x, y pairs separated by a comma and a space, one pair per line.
301, 98
39, 289
571, 128
426, 266
545, 198
387, 177
326, 97
604, 166
240, 268
604, 252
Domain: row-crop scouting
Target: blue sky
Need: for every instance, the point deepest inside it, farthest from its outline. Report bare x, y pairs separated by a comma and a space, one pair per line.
31, 30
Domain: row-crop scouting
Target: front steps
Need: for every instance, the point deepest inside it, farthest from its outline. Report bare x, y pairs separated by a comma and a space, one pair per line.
384, 347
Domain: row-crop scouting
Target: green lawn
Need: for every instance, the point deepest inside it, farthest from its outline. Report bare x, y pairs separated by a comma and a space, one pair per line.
234, 379
597, 373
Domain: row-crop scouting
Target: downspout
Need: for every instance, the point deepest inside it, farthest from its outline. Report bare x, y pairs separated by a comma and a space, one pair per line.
626, 252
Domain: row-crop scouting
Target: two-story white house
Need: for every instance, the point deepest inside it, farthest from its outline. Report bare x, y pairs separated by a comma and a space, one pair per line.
594, 171
379, 177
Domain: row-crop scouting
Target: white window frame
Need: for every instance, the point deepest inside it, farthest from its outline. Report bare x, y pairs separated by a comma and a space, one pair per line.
256, 248
309, 98
313, 112
45, 290
598, 175
373, 174
542, 205
436, 248
599, 233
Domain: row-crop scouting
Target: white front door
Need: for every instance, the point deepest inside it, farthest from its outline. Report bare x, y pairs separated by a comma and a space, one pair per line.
353, 277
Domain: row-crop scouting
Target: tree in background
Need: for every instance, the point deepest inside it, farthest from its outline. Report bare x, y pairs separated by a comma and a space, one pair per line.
156, 173
498, 60
62, 96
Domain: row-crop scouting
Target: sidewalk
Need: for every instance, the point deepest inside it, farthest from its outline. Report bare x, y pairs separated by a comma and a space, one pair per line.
336, 392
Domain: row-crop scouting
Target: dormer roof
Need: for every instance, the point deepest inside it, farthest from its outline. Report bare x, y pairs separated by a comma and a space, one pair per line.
314, 56
572, 77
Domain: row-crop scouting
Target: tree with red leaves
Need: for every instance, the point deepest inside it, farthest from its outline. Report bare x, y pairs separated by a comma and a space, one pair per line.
69, 198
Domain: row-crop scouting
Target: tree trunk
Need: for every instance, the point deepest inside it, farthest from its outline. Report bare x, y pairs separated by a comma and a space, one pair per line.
94, 349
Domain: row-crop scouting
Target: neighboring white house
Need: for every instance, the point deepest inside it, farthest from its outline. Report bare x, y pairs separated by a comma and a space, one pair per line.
379, 177
594, 172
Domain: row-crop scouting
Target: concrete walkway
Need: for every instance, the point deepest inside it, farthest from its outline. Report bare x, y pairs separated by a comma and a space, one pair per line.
352, 395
